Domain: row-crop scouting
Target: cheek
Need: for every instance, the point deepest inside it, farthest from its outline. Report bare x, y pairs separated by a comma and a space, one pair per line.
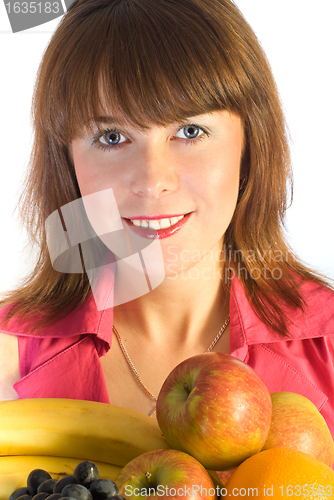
83, 169
223, 199
218, 176
227, 168
89, 171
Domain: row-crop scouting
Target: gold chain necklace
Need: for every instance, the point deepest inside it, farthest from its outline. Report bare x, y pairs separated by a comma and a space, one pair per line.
135, 373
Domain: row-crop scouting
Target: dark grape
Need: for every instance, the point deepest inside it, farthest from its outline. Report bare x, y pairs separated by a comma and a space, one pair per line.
18, 493
77, 491
25, 497
118, 497
86, 472
64, 481
54, 496
35, 478
47, 486
41, 496
103, 489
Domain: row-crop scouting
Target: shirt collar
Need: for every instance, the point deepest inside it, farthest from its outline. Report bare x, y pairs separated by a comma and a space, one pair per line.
316, 321
86, 319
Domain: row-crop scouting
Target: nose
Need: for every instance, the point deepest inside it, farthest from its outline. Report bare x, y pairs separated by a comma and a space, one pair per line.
154, 173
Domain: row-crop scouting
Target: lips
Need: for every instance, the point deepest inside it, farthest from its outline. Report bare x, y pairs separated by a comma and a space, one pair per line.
157, 227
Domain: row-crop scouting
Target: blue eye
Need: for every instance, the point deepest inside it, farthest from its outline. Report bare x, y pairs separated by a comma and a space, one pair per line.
191, 132
111, 138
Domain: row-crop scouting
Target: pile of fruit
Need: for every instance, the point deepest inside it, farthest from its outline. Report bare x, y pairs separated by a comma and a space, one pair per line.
219, 432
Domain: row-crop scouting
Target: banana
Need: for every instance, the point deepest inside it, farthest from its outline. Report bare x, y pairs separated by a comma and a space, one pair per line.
74, 428
15, 470
215, 478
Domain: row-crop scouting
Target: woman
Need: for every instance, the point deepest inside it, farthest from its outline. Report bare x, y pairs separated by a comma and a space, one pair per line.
170, 110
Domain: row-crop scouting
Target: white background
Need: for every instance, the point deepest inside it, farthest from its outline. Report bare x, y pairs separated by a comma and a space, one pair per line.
298, 38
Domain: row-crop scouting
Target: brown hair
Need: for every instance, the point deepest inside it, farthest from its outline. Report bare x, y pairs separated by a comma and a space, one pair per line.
157, 62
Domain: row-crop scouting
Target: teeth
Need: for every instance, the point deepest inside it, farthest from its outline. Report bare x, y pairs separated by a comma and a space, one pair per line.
165, 223
157, 223
154, 224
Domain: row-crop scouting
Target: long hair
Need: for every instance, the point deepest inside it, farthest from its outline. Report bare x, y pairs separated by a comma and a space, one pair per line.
158, 62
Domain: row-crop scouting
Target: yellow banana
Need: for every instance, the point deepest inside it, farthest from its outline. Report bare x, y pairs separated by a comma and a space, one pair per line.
15, 470
215, 478
75, 428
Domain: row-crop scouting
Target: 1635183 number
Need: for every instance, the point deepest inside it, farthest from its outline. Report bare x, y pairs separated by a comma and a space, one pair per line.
297, 490
33, 7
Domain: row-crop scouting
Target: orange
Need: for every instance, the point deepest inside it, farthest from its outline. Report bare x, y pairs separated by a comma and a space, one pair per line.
281, 473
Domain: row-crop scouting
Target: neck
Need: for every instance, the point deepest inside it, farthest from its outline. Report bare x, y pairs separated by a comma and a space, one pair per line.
192, 304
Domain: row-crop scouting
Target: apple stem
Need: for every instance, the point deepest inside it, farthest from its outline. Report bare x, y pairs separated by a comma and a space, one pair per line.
148, 475
186, 387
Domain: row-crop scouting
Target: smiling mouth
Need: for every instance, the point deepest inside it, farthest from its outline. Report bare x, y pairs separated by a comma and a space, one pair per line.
155, 227
157, 224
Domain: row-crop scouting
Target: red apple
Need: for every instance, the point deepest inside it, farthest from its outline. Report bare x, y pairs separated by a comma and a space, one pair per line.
165, 474
216, 408
297, 423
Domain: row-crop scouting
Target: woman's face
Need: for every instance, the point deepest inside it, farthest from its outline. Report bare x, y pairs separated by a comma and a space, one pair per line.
178, 183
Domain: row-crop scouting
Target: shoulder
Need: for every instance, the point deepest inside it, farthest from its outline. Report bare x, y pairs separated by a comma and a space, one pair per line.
9, 362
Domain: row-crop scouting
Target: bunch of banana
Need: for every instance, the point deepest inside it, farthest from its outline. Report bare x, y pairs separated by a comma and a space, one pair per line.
56, 434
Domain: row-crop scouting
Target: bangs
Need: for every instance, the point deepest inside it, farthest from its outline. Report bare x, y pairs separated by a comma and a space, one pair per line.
146, 62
